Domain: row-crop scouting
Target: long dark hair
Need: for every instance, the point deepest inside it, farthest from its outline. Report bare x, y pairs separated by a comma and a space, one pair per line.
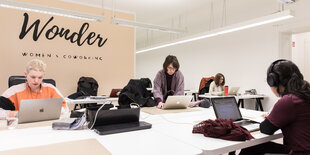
291, 78
218, 78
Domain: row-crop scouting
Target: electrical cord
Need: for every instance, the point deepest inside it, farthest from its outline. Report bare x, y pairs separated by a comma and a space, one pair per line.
97, 113
175, 122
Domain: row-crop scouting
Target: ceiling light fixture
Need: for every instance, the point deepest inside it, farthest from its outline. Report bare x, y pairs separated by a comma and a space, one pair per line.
232, 28
144, 26
49, 10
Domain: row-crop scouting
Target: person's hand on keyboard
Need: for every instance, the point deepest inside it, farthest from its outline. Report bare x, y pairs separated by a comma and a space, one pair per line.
265, 115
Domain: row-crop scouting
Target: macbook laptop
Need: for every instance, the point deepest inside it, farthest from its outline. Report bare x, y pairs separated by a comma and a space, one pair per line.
33, 110
226, 107
233, 90
177, 102
115, 92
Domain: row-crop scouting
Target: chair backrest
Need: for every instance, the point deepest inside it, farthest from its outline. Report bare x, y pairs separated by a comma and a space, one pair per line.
205, 84
15, 80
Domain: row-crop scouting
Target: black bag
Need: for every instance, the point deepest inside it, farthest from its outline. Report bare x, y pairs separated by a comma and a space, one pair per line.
87, 86
136, 92
146, 82
205, 103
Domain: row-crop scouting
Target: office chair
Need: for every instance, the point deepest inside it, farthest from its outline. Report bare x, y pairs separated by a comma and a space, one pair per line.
15, 80
204, 85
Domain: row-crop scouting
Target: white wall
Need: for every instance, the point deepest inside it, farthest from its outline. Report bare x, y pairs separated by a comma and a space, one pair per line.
243, 57
301, 53
239, 56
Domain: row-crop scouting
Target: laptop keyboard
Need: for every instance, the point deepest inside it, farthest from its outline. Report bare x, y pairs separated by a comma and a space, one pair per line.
243, 122
252, 127
249, 125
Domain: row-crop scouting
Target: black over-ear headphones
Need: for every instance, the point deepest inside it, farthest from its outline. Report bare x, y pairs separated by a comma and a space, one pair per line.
272, 77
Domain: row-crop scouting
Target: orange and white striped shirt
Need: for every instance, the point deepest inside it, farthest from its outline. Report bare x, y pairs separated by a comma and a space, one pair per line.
22, 91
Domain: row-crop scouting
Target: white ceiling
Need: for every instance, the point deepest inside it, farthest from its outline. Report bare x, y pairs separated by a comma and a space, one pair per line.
148, 10
193, 15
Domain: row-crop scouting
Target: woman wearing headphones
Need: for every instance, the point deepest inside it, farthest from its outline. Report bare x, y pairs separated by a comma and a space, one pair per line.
291, 113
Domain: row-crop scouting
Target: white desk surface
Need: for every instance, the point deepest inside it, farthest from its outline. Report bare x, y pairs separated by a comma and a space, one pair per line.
136, 142
88, 100
170, 134
237, 97
180, 126
250, 96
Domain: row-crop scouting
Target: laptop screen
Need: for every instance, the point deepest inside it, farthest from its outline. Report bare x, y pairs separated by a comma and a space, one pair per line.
115, 92
32, 110
226, 108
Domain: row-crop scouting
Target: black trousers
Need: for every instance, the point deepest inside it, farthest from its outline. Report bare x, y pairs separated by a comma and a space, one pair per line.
269, 147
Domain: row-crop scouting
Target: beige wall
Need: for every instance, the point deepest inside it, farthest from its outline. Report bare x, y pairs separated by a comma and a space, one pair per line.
113, 71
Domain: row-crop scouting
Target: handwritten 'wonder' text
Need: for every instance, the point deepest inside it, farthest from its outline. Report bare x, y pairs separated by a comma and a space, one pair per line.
55, 31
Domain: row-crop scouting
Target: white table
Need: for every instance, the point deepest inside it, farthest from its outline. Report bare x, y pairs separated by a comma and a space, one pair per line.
258, 99
170, 134
191, 92
77, 102
136, 142
88, 100
241, 99
180, 126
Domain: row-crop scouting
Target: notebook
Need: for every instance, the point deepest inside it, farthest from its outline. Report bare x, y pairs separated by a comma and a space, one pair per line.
177, 102
233, 90
33, 110
226, 107
115, 92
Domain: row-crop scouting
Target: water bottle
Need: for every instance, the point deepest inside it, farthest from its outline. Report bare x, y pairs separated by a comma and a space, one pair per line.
226, 91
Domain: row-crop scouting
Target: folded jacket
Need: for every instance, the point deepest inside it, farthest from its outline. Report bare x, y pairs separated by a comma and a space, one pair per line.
223, 129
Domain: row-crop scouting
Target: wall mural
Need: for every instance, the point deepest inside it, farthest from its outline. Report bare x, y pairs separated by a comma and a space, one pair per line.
50, 32
70, 47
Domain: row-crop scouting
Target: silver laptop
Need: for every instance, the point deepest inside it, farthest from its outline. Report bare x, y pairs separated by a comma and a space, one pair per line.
226, 107
177, 102
233, 90
33, 110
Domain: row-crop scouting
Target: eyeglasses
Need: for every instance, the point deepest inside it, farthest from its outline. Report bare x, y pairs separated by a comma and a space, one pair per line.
171, 68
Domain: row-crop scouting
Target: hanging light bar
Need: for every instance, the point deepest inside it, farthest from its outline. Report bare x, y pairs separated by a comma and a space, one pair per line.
144, 26
49, 10
236, 27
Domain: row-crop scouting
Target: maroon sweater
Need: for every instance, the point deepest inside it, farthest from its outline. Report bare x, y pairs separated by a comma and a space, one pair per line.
292, 115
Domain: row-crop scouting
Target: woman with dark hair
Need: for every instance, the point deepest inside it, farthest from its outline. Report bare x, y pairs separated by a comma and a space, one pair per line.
168, 81
217, 86
291, 113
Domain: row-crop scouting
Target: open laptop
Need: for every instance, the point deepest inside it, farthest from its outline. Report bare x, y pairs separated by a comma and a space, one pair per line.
233, 90
177, 102
33, 110
226, 107
115, 92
